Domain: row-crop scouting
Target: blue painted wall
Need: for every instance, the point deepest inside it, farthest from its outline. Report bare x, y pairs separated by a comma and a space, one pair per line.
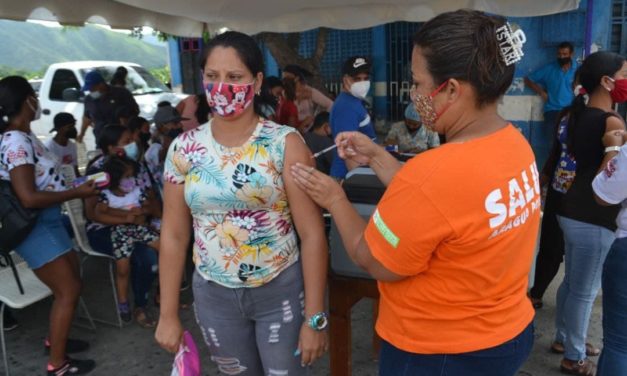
601, 26
174, 56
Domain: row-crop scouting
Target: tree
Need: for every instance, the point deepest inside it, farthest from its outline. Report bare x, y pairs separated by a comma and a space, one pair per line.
284, 49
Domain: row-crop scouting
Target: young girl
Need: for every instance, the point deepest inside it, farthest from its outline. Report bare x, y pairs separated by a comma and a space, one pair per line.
124, 194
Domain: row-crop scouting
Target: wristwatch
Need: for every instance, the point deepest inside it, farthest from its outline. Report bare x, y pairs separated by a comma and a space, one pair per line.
612, 148
318, 321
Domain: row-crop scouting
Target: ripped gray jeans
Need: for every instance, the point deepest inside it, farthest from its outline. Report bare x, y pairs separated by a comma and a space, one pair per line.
253, 331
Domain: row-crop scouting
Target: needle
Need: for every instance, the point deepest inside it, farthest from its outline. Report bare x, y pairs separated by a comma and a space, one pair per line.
316, 155
324, 151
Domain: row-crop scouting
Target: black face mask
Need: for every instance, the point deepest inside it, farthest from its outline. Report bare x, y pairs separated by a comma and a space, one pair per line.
72, 133
563, 61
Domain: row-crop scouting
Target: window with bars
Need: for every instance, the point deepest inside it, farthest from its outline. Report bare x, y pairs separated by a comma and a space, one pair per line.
399, 36
341, 44
618, 38
559, 27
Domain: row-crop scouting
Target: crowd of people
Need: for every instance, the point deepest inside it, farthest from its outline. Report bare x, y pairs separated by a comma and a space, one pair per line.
240, 175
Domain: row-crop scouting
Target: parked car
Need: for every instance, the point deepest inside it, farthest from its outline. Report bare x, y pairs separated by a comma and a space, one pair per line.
60, 91
35, 84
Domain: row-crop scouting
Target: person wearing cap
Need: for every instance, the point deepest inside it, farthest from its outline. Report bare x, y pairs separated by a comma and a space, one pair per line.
348, 112
61, 144
102, 103
309, 101
410, 135
168, 123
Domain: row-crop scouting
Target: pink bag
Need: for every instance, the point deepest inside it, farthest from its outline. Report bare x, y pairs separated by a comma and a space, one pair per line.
186, 360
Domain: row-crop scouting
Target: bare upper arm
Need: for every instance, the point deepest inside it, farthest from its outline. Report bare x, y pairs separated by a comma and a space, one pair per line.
23, 182
177, 219
614, 123
305, 213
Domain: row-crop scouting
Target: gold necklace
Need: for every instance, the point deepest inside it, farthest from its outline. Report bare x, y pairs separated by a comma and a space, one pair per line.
231, 151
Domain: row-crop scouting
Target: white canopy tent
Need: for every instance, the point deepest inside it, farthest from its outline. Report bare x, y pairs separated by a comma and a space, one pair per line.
192, 17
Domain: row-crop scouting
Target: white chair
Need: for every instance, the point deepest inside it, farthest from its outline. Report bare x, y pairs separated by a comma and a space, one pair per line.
20, 288
93, 154
75, 211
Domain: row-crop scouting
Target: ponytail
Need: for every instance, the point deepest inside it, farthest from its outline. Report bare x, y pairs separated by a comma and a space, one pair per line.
573, 112
4, 120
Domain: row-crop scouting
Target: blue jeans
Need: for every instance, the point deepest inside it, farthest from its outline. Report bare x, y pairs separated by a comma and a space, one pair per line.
585, 250
613, 359
144, 261
501, 360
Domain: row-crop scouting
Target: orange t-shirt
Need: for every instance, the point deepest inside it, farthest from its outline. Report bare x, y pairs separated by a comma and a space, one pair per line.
461, 222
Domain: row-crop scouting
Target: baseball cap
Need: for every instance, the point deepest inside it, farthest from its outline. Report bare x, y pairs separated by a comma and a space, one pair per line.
167, 114
355, 65
92, 78
61, 120
411, 113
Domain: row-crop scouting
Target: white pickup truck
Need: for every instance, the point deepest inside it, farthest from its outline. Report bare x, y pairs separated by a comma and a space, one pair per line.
60, 91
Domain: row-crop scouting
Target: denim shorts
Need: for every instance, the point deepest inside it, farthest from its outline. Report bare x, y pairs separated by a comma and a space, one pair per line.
48, 240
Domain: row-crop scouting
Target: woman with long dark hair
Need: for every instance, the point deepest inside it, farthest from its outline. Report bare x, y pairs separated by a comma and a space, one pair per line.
258, 292
587, 226
34, 174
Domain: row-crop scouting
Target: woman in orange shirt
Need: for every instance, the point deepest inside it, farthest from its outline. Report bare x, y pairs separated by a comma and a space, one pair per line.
453, 294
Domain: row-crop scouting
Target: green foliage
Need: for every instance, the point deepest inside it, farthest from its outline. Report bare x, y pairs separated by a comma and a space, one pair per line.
32, 47
8, 71
161, 36
163, 74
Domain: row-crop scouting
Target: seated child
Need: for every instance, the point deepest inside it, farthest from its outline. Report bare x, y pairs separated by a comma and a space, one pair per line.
124, 194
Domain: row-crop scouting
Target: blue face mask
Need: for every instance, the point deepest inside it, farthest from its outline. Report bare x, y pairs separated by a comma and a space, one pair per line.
132, 151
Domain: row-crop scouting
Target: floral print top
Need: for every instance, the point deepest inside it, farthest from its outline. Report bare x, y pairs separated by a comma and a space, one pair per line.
243, 230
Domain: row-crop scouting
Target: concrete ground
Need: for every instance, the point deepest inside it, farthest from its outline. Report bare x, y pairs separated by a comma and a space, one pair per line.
132, 351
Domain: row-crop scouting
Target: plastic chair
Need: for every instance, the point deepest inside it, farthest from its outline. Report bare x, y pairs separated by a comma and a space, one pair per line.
75, 211
93, 154
20, 288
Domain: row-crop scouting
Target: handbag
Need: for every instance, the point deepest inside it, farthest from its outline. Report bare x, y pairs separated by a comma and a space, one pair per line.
16, 221
186, 361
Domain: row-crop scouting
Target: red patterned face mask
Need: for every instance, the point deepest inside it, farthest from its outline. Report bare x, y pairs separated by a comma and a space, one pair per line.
425, 108
228, 100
